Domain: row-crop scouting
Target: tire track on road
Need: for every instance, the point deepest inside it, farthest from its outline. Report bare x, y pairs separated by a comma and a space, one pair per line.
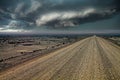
40, 67
69, 69
110, 71
92, 58
45, 77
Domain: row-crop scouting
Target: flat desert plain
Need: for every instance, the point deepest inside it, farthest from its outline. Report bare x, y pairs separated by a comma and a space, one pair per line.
92, 58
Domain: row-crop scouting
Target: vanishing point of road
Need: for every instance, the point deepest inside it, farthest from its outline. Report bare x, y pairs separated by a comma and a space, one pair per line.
93, 58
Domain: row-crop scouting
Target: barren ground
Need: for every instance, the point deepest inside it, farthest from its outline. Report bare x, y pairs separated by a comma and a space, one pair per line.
93, 58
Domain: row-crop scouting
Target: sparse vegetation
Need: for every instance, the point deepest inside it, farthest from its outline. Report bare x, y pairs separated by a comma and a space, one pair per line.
93, 58
15, 50
115, 40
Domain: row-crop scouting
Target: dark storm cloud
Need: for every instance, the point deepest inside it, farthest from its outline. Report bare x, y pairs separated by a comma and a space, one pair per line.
57, 13
66, 19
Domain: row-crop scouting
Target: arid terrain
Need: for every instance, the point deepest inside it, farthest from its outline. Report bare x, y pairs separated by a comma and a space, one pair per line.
115, 40
93, 58
16, 50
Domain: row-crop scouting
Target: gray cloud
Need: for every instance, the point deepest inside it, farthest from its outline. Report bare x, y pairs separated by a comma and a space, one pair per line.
34, 6
19, 7
72, 18
65, 15
56, 13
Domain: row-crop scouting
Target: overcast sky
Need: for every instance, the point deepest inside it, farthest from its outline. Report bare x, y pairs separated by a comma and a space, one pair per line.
60, 16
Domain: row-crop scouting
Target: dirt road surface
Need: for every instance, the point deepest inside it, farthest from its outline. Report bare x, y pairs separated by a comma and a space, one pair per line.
93, 58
